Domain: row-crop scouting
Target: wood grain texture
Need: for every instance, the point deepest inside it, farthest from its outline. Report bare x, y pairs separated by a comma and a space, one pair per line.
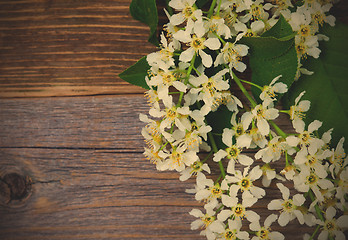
72, 48
80, 158
89, 177
68, 48
93, 194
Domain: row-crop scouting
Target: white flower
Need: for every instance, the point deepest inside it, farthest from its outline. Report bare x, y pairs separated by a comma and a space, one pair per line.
206, 221
191, 138
226, 98
176, 159
244, 182
236, 5
208, 191
307, 180
297, 112
342, 188
232, 152
209, 89
333, 227
313, 162
258, 139
216, 25
163, 58
269, 91
188, 11
151, 132
256, 28
287, 206
232, 54
197, 42
268, 174
239, 132
289, 172
152, 97
231, 17
232, 231
165, 79
307, 46
338, 159
257, 10
172, 115
300, 22
238, 211
319, 16
261, 113
194, 169
264, 232
306, 138
152, 155
281, 6
275, 147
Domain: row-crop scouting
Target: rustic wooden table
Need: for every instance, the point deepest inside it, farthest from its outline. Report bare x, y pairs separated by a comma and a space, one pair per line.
71, 163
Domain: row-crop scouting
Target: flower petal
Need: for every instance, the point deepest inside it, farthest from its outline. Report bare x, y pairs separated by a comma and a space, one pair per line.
206, 59
245, 160
212, 43
219, 155
187, 55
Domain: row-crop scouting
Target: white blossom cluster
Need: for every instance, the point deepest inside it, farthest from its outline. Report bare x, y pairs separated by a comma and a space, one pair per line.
191, 76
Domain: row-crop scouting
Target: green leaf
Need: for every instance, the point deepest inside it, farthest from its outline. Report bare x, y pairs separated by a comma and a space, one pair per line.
219, 120
146, 12
327, 88
272, 55
136, 74
281, 29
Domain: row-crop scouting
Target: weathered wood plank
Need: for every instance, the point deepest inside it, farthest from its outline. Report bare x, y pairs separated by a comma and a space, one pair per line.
81, 122
68, 48
94, 194
84, 194
84, 157
101, 122
72, 48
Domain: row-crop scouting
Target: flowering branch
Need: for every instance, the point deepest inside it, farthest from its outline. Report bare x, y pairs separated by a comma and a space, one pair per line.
193, 110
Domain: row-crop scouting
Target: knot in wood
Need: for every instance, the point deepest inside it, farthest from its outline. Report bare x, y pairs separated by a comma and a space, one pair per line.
14, 189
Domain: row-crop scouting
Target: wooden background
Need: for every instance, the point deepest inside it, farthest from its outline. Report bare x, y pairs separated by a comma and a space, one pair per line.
71, 163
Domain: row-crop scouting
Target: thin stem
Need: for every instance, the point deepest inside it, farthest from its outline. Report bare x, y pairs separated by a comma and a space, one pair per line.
278, 130
198, 72
217, 180
285, 111
251, 83
163, 146
212, 141
219, 37
189, 70
317, 209
211, 9
218, 10
315, 232
214, 147
242, 88
222, 169
207, 157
